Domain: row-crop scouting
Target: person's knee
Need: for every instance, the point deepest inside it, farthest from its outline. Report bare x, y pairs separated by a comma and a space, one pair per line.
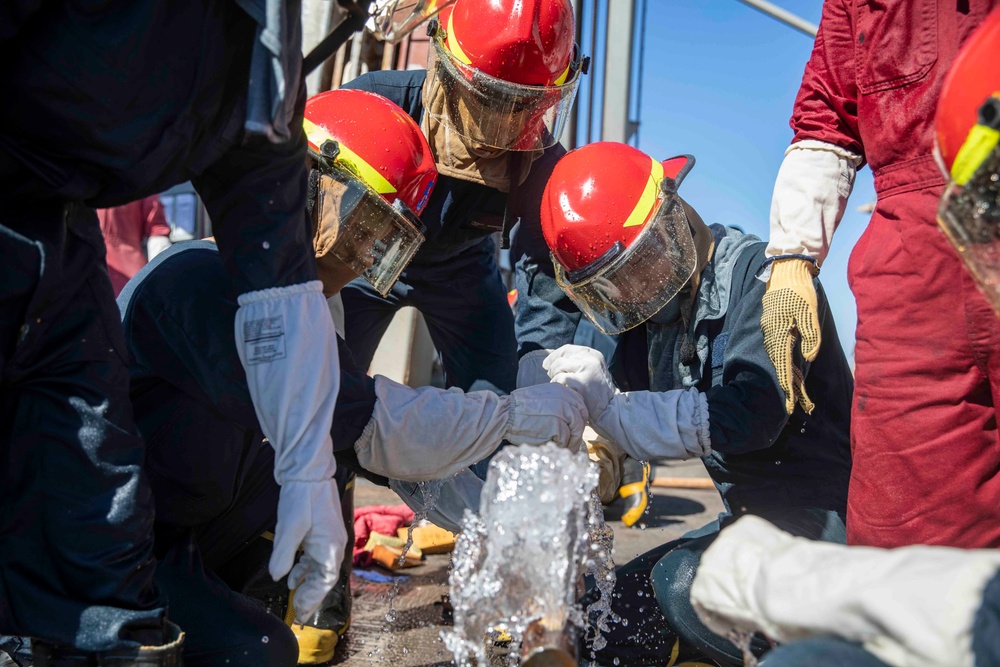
672, 578
260, 640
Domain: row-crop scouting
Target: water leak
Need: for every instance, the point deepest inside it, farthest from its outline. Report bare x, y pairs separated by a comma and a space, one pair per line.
517, 567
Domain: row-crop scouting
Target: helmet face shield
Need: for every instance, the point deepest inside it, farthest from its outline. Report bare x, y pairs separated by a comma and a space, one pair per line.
395, 19
491, 113
627, 286
357, 227
970, 216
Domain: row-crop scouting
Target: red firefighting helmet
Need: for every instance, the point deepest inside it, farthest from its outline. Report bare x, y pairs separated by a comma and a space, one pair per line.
374, 173
967, 137
508, 69
621, 244
394, 19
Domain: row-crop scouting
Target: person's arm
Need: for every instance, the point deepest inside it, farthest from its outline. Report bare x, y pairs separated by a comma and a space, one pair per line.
912, 607
256, 195
645, 424
429, 433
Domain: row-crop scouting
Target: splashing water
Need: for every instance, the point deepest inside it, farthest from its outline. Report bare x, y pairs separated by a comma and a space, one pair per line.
517, 565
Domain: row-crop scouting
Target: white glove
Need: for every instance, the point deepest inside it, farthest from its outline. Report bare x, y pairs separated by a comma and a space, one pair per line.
155, 245
810, 196
911, 607
429, 433
286, 342
645, 424
583, 370
530, 371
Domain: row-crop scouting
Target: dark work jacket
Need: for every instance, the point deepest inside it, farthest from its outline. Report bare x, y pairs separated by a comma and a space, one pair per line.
761, 457
187, 381
108, 102
462, 213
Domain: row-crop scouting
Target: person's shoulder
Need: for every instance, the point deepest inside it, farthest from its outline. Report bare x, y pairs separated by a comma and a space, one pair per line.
389, 83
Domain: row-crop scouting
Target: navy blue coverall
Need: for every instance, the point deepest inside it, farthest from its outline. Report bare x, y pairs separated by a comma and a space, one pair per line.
107, 102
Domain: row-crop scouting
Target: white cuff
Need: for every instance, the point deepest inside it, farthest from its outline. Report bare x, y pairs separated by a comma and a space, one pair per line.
810, 196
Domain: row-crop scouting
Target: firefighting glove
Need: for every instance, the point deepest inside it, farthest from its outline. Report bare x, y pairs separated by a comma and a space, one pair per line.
288, 347
429, 433
645, 424
914, 606
790, 315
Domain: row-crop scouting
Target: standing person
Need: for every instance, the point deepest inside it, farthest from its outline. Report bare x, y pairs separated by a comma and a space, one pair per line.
113, 104
134, 233
870, 607
689, 377
924, 436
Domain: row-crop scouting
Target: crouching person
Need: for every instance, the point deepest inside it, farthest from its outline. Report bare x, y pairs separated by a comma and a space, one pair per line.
214, 477
690, 377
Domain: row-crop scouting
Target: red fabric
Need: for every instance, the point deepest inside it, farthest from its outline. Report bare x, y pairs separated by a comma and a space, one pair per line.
125, 230
384, 519
924, 423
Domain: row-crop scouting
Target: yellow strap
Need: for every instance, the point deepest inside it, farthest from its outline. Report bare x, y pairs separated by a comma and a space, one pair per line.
648, 197
979, 144
369, 174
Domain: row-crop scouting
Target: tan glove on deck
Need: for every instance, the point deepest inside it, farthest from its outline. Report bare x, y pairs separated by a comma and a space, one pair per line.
790, 314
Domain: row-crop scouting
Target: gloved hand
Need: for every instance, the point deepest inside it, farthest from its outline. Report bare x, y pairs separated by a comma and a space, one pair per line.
583, 370
546, 412
913, 606
309, 514
790, 314
287, 344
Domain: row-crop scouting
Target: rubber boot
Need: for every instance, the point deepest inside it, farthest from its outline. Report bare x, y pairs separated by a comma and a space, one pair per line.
634, 490
167, 654
318, 637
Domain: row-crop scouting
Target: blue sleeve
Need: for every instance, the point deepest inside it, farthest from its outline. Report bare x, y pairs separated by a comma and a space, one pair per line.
404, 87
546, 318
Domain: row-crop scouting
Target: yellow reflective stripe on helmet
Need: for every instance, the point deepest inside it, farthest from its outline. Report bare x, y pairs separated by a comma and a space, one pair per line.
452, 42
367, 173
980, 142
565, 75
648, 197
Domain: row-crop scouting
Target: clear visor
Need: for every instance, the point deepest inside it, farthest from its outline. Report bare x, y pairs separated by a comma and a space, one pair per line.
970, 216
395, 19
627, 286
491, 113
358, 228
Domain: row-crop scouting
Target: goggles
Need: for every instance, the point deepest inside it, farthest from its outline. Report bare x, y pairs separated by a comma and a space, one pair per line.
356, 226
394, 19
626, 286
492, 113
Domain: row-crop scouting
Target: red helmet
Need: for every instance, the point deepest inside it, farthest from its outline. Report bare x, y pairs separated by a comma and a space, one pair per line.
506, 70
968, 145
528, 42
620, 240
373, 175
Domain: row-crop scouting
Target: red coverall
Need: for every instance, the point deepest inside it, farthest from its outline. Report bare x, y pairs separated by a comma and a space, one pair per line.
924, 420
125, 228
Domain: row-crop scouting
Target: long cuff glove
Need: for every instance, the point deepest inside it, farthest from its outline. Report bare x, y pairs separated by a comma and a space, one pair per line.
645, 424
429, 433
911, 607
790, 314
529, 369
288, 347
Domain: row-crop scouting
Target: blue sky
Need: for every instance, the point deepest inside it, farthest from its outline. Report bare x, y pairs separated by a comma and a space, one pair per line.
719, 81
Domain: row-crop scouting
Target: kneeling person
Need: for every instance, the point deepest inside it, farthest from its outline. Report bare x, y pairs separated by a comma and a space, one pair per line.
211, 470
689, 377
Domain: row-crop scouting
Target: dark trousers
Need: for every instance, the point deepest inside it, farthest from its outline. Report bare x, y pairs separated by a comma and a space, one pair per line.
463, 301
76, 511
653, 594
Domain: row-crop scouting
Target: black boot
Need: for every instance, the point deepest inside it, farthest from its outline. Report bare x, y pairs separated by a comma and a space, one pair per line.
167, 653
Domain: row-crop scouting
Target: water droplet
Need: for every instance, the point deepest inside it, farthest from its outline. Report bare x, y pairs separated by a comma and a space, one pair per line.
266, 245
265, 639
